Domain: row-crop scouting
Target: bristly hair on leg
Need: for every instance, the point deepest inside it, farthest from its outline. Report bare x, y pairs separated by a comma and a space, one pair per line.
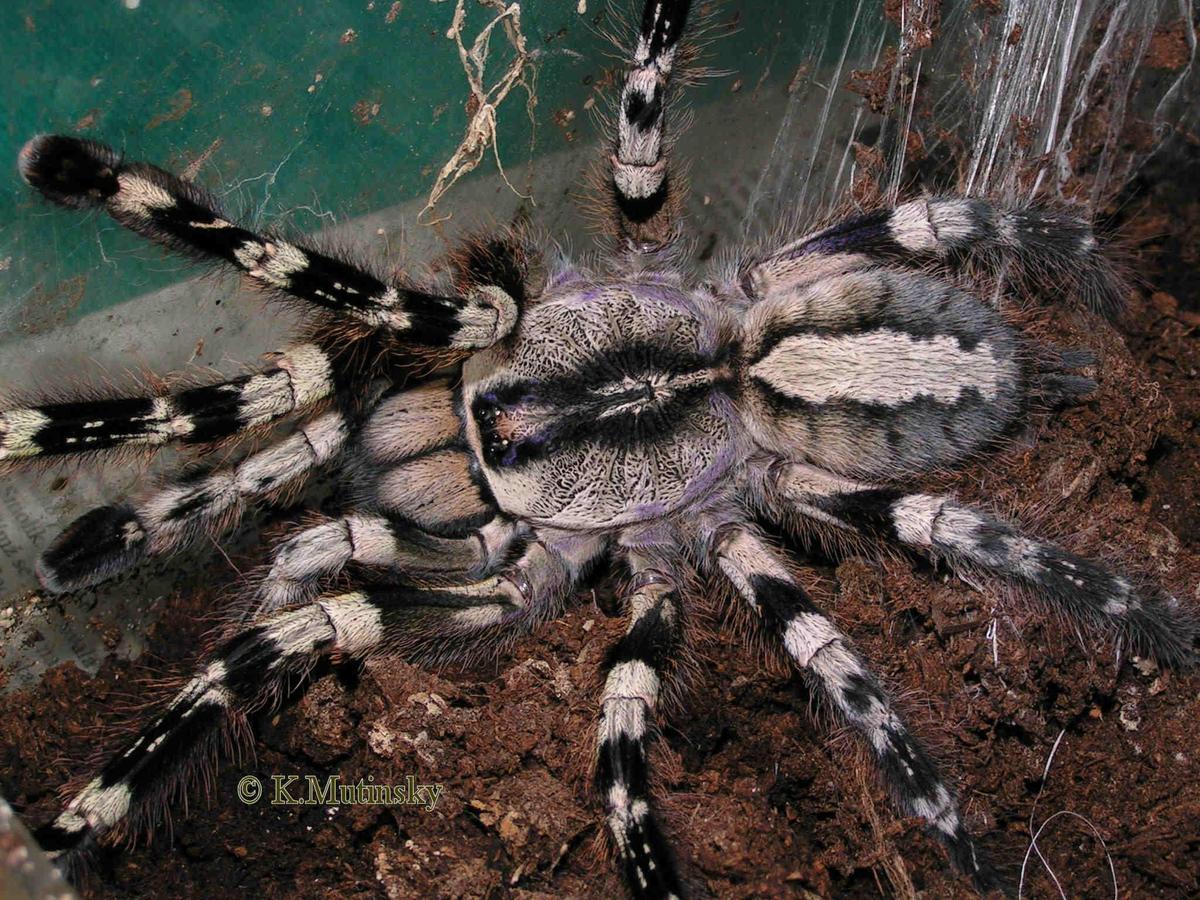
187, 219
499, 259
300, 378
843, 679
206, 500
1045, 251
636, 194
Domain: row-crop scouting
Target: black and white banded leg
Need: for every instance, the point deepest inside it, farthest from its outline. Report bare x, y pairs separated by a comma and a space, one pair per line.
641, 182
321, 551
634, 674
184, 217
951, 230
419, 507
109, 540
457, 622
261, 666
300, 377
843, 679
256, 669
1080, 588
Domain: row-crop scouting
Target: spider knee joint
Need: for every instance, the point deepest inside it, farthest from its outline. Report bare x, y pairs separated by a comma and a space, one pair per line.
488, 316
651, 588
521, 585
648, 577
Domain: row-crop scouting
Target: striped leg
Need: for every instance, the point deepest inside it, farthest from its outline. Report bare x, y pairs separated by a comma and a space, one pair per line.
251, 671
842, 677
1038, 241
632, 688
1080, 588
183, 217
111, 539
301, 562
108, 540
454, 623
421, 507
301, 376
409, 423
258, 668
646, 210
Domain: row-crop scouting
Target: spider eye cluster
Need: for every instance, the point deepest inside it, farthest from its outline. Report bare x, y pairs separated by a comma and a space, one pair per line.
509, 427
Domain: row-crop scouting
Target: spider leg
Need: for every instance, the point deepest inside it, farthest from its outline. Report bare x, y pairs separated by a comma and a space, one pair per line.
111, 539
300, 376
1082, 589
458, 621
181, 216
259, 667
843, 678
641, 184
634, 672
418, 504
951, 230
365, 539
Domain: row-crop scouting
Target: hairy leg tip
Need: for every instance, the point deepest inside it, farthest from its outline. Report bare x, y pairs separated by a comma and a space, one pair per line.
70, 171
95, 547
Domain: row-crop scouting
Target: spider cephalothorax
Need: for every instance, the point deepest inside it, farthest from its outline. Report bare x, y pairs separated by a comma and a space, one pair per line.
610, 406
636, 414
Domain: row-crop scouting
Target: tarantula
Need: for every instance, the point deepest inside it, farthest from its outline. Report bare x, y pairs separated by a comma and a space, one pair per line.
632, 413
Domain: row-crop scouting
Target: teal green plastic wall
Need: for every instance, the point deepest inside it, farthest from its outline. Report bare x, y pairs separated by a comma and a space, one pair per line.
305, 112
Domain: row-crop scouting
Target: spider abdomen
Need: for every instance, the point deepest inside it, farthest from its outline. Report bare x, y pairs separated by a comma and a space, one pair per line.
610, 405
878, 372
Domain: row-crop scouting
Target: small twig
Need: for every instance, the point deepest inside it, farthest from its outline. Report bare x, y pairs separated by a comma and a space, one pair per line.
993, 635
481, 130
194, 167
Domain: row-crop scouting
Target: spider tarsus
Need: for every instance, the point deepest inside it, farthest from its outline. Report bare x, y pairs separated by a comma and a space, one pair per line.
969, 859
1165, 630
64, 846
1076, 358
70, 171
95, 547
987, 880
1058, 390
